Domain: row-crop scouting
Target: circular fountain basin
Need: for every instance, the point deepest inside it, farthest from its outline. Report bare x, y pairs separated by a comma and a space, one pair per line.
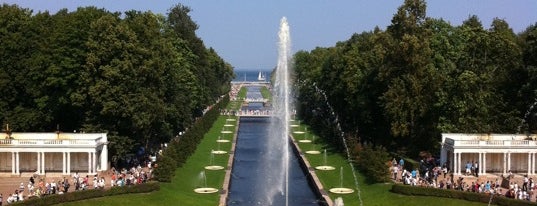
219, 152
228, 125
232, 120
299, 132
226, 132
214, 167
341, 190
313, 152
295, 125
205, 190
222, 140
324, 167
304, 141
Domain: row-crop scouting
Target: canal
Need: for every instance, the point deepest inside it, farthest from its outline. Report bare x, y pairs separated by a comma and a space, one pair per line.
255, 177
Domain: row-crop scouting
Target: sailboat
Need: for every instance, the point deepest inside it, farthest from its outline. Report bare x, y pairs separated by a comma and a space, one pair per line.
261, 77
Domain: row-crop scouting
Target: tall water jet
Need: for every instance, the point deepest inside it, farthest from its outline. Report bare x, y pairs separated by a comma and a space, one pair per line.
282, 106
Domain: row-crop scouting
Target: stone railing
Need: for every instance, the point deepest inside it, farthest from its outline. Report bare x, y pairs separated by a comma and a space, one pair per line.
50, 142
492, 143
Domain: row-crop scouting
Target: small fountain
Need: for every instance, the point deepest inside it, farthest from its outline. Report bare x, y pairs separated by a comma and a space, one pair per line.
221, 140
218, 151
204, 189
294, 125
325, 166
305, 140
313, 150
211, 165
341, 189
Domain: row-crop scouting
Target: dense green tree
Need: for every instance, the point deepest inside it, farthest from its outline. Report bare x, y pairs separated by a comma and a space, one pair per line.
402, 87
141, 77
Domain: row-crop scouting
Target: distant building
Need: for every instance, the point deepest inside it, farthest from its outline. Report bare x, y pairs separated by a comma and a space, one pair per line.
53, 152
495, 153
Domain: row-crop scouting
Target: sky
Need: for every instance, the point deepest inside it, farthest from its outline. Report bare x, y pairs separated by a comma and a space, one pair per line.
244, 32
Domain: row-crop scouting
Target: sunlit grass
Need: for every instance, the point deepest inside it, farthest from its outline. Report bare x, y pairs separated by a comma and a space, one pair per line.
371, 194
187, 178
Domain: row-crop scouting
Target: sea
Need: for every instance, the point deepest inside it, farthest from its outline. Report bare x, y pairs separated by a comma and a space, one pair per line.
251, 75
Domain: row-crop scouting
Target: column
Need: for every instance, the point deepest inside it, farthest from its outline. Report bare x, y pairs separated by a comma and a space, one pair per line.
63, 163
479, 164
533, 164
454, 163
18, 163
104, 158
13, 163
504, 163
89, 162
508, 161
484, 164
43, 163
39, 162
68, 163
459, 163
529, 163
93, 164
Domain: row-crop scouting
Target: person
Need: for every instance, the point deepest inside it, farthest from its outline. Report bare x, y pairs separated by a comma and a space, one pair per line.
66, 185
1, 199
525, 184
444, 170
401, 163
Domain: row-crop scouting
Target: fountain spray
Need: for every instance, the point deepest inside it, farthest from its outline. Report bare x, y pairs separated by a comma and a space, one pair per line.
282, 102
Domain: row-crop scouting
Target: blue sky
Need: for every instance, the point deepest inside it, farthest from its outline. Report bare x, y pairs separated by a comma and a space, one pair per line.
244, 32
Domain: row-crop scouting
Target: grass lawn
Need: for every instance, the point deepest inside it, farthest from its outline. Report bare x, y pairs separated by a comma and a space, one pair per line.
371, 194
180, 190
187, 178
265, 92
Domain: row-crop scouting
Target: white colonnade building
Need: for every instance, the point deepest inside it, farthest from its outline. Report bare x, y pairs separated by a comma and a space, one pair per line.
495, 153
53, 152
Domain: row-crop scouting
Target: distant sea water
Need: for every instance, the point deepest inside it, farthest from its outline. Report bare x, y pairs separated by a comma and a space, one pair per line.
250, 75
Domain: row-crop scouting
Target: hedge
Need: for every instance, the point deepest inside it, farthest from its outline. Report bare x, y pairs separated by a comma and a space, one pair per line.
456, 194
89, 194
180, 149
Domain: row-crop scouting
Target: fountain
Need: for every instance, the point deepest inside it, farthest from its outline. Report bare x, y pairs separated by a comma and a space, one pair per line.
262, 157
325, 166
313, 150
211, 165
218, 151
204, 189
342, 135
279, 127
221, 140
341, 189
305, 140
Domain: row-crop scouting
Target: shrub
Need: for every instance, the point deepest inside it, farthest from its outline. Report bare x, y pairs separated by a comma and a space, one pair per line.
469, 196
89, 194
372, 162
166, 167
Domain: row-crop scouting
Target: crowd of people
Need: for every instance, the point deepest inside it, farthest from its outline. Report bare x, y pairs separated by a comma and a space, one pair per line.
435, 176
39, 187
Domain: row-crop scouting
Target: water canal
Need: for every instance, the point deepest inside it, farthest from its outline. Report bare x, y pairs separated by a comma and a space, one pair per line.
255, 173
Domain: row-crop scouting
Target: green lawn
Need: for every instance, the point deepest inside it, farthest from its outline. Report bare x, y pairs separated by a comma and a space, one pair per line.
187, 178
371, 194
265, 92
180, 191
